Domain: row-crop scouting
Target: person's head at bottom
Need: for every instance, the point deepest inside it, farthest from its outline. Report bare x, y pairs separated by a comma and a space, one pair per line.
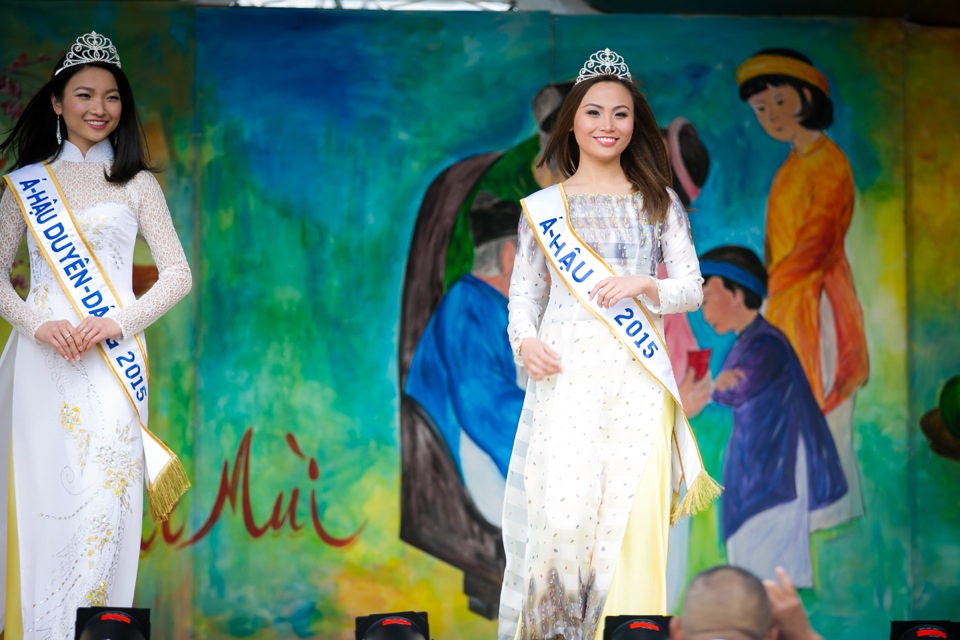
724, 602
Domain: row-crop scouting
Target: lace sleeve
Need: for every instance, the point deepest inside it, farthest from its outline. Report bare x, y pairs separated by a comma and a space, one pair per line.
12, 308
174, 281
528, 288
682, 289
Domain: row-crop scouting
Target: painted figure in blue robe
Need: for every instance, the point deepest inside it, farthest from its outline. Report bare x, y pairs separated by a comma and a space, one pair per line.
781, 463
463, 373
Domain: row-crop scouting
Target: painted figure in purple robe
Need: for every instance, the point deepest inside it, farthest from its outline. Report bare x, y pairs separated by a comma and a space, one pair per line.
781, 462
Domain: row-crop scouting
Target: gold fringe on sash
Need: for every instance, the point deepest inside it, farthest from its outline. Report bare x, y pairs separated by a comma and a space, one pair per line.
699, 496
171, 483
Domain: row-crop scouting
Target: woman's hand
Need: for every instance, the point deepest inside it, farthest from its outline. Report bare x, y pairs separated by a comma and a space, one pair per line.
62, 336
94, 330
539, 359
610, 291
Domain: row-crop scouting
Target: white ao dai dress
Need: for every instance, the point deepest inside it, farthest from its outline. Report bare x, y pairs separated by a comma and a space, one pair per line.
587, 505
76, 446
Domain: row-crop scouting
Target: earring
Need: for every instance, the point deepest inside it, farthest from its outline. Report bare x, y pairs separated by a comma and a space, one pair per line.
59, 139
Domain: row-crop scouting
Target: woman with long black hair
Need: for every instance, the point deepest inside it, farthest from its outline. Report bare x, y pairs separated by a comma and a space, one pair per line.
73, 376
603, 451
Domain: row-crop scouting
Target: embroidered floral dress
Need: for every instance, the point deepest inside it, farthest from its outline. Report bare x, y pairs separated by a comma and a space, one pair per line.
76, 446
587, 507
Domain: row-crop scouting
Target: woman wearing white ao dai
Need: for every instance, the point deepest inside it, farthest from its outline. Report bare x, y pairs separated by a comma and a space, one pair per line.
77, 452
592, 449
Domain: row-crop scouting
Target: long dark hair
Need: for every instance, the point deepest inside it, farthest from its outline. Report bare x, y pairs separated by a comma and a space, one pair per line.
32, 139
644, 161
816, 114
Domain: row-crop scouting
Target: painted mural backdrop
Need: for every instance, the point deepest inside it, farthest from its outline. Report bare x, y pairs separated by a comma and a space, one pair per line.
933, 288
306, 153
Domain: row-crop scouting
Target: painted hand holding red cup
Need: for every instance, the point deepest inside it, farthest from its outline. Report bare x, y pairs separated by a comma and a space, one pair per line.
699, 359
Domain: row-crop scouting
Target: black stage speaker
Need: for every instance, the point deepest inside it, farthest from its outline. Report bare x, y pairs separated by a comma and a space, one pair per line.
924, 630
112, 623
636, 628
400, 625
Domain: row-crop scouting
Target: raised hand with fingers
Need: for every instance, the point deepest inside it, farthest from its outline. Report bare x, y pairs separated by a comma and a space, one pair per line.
789, 616
62, 336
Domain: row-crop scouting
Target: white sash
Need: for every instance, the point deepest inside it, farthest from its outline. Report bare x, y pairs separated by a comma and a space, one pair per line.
580, 269
83, 280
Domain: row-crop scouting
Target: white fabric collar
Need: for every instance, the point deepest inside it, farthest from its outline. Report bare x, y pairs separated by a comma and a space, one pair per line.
100, 152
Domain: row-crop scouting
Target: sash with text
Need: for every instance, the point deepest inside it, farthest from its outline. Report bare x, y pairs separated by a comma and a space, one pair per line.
83, 280
580, 269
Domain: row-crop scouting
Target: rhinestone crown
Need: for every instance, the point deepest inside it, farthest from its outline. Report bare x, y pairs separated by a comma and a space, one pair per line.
604, 63
91, 47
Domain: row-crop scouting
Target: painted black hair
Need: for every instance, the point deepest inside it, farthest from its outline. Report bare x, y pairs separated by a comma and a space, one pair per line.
745, 259
816, 113
32, 139
695, 158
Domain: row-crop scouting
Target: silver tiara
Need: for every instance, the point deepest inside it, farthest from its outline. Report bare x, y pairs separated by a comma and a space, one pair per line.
91, 47
604, 63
